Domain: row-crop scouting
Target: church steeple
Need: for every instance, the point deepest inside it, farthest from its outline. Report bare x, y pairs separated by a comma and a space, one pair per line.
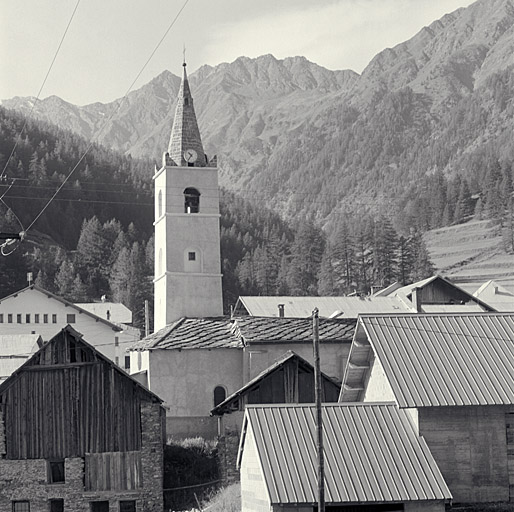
185, 147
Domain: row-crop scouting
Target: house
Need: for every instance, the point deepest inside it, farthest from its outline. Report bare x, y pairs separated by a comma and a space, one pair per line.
34, 310
496, 296
435, 295
195, 363
15, 349
302, 307
78, 433
290, 379
374, 460
454, 375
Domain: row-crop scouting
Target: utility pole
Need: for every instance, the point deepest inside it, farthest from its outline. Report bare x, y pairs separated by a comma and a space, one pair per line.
147, 319
319, 423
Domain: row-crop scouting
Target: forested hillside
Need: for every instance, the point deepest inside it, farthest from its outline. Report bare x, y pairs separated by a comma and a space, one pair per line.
96, 237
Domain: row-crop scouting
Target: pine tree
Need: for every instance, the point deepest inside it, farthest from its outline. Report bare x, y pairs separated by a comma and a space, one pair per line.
343, 259
326, 281
422, 266
384, 253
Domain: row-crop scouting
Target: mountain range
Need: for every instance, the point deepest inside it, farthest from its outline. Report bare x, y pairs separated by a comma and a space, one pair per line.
311, 142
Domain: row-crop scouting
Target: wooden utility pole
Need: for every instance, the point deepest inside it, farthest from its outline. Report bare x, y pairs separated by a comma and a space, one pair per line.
147, 319
319, 423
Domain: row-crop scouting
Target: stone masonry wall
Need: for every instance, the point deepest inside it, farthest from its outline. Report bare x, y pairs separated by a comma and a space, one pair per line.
28, 480
228, 446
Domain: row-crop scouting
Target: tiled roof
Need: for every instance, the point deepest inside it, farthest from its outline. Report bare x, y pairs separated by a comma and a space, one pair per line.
302, 307
371, 452
191, 333
264, 329
440, 360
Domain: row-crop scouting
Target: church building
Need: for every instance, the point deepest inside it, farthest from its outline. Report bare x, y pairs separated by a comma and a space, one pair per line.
187, 240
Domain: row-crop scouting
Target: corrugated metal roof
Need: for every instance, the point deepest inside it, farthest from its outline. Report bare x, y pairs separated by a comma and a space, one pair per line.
302, 307
226, 332
266, 330
372, 454
441, 360
451, 308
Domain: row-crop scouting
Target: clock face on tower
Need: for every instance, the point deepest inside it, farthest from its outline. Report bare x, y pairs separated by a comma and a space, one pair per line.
190, 156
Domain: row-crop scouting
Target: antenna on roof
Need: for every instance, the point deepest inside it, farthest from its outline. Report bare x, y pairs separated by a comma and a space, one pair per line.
184, 55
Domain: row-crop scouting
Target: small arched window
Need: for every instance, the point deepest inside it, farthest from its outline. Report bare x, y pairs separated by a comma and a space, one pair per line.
191, 200
219, 395
159, 204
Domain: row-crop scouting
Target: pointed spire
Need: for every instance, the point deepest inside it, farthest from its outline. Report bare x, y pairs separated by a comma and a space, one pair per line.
185, 135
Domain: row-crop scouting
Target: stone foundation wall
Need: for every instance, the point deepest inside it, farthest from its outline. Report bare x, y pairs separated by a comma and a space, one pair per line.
228, 446
28, 479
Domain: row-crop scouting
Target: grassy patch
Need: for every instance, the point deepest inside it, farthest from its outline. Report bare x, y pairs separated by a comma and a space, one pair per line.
226, 500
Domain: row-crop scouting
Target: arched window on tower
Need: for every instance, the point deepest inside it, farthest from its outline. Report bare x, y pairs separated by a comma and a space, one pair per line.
219, 395
191, 200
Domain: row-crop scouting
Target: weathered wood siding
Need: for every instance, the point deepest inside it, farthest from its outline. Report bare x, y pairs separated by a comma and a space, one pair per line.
113, 471
439, 292
469, 445
509, 423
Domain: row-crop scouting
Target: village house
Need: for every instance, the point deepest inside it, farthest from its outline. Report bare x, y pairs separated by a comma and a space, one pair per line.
77, 433
496, 296
34, 310
196, 363
454, 375
374, 460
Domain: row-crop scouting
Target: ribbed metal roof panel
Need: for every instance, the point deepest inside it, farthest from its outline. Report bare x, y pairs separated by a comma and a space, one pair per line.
372, 454
302, 307
446, 360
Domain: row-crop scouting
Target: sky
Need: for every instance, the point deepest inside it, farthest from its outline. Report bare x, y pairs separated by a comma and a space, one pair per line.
109, 41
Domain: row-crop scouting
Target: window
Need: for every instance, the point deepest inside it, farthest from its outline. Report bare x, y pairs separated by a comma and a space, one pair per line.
55, 471
18, 318
127, 363
56, 505
54, 319
191, 200
219, 395
1, 318
36, 318
45, 318
27, 318
99, 506
116, 341
20, 506
9, 318
191, 256
128, 506
70, 318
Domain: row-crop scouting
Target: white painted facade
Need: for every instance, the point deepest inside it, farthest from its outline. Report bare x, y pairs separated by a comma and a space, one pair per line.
34, 311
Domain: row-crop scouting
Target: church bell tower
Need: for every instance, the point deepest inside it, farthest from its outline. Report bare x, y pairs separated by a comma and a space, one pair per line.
187, 233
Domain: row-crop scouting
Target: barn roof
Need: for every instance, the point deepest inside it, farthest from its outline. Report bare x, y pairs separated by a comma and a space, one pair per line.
443, 360
51, 295
496, 295
78, 339
226, 332
302, 307
224, 406
371, 452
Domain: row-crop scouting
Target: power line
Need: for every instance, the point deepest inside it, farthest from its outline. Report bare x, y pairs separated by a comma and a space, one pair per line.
114, 112
41, 88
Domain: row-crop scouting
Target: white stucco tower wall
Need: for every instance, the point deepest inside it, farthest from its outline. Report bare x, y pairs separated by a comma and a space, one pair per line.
187, 231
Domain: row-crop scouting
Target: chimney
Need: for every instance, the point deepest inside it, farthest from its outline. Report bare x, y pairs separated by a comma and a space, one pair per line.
108, 315
416, 299
281, 310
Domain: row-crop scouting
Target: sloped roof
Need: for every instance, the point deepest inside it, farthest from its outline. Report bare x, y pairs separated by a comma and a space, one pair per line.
192, 333
15, 349
444, 360
226, 332
267, 330
371, 452
118, 313
113, 326
32, 360
496, 295
302, 307
288, 356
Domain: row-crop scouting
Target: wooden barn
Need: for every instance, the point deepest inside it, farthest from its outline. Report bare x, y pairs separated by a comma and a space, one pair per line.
78, 433
374, 460
454, 374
